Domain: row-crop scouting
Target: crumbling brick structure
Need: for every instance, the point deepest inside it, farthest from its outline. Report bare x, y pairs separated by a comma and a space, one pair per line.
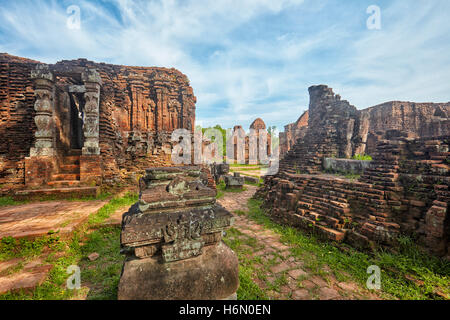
292, 133
80, 122
370, 125
172, 239
405, 189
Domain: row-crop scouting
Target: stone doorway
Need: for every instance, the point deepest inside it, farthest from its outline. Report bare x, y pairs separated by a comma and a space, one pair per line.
66, 152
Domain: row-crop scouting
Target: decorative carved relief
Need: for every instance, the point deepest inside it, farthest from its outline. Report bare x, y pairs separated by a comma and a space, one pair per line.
91, 121
44, 112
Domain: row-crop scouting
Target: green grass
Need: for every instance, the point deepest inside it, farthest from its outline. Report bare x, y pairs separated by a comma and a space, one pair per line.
410, 262
259, 184
9, 201
248, 289
250, 175
22, 248
364, 157
247, 169
101, 275
220, 194
245, 165
105, 212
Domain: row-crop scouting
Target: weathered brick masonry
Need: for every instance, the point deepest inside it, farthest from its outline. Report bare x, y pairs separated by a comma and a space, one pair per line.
104, 121
369, 125
405, 190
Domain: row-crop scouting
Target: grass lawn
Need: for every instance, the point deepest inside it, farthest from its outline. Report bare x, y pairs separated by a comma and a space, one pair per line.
408, 274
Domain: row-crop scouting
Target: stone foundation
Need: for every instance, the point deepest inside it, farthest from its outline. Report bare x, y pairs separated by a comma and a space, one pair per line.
213, 275
234, 181
39, 170
405, 191
345, 165
91, 170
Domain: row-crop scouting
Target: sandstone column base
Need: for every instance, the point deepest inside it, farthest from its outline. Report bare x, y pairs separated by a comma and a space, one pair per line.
211, 276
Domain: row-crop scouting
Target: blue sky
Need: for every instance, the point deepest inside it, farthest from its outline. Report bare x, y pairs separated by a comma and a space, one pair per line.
252, 58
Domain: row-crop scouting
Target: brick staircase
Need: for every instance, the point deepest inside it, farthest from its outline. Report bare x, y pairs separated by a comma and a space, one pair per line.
301, 159
64, 184
323, 207
383, 170
69, 172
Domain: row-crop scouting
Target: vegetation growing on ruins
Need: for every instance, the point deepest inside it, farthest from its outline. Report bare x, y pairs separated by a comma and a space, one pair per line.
248, 289
10, 201
127, 200
19, 248
224, 136
408, 274
364, 157
260, 183
254, 166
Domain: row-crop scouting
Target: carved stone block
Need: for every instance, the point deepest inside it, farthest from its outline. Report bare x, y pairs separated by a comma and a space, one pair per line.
176, 223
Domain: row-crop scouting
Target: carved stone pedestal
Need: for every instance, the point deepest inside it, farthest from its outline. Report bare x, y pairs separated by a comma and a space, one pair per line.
172, 239
234, 181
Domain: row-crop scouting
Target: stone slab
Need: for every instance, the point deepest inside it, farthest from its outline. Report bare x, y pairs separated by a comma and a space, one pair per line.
24, 280
10, 263
37, 219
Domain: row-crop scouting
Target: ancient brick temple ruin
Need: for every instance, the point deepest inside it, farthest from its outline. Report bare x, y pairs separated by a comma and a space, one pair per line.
366, 127
404, 190
80, 123
172, 240
253, 147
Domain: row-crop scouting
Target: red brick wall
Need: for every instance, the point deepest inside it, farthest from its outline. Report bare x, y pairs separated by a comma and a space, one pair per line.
139, 109
405, 191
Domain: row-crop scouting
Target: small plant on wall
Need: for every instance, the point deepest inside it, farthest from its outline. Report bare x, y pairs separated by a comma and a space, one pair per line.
364, 157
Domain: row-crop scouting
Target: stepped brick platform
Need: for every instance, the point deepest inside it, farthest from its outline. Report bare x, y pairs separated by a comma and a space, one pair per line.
22, 274
58, 193
405, 190
37, 219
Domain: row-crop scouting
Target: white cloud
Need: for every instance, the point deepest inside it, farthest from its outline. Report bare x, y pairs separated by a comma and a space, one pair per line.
249, 75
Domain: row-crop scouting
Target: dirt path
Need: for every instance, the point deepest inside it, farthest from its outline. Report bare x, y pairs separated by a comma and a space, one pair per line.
284, 275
